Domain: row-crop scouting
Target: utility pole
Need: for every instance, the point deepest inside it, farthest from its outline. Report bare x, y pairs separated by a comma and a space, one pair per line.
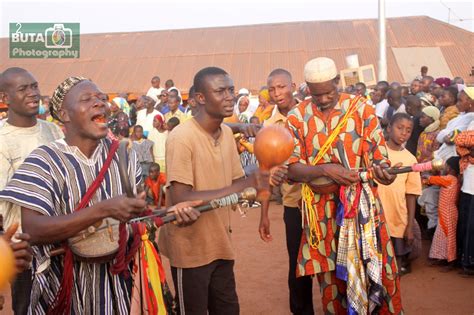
382, 75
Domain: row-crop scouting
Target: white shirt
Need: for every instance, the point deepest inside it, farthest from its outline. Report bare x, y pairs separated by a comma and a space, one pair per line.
459, 123
381, 108
154, 92
401, 109
146, 120
159, 144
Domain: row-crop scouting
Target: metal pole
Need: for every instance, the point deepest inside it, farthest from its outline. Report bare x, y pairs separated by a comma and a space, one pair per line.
382, 43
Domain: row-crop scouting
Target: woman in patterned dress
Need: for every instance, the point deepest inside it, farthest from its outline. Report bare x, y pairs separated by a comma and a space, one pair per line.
443, 246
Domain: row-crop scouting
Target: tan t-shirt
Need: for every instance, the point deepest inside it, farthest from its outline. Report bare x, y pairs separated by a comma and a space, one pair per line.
393, 196
291, 192
194, 158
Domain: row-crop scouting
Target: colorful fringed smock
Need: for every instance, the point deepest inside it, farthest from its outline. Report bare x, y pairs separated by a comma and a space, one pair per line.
348, 234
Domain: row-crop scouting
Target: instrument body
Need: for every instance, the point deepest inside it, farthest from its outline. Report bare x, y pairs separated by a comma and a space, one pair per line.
98, 243
323, 185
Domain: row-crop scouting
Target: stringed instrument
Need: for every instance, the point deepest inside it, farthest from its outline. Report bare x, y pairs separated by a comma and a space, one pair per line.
100, 242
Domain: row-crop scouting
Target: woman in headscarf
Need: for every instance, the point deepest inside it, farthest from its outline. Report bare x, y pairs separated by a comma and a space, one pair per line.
427, 143
264, 109
242, 109
119, 119
443, 82
122, 104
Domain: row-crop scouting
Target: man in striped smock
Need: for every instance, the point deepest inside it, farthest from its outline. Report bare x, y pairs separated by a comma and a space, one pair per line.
51, 186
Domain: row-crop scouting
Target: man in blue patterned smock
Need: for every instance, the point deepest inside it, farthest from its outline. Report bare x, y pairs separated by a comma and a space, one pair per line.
54, 183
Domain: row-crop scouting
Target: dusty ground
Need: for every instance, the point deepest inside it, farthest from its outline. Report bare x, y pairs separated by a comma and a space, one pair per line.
261, 271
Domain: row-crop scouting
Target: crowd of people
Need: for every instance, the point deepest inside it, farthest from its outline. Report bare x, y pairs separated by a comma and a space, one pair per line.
349, 220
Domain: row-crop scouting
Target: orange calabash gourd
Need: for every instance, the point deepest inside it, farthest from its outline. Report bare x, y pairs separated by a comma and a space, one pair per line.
273, 146
7, 258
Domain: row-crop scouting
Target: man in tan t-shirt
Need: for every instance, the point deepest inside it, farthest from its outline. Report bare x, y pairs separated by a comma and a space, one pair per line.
202, 163
281, 87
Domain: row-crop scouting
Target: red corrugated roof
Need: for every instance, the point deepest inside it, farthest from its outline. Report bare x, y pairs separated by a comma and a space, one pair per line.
125, 62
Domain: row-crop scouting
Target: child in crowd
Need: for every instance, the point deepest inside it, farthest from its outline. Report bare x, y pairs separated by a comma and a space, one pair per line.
154, 186
447, 101
172, 123
395, 102
427, 143
443, 247
399, 198
144, 149
254, 120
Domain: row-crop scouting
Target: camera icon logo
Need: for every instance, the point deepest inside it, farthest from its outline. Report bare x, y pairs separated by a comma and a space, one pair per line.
58, 36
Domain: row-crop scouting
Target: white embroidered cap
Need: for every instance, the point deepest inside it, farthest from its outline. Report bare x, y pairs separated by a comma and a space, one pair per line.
319, 70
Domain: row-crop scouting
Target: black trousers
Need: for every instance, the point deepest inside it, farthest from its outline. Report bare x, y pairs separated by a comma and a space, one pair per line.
301, 289
21, 291
465, 230
209, 288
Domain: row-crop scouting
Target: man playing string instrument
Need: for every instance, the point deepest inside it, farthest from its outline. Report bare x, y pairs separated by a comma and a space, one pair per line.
54, 187
345, 240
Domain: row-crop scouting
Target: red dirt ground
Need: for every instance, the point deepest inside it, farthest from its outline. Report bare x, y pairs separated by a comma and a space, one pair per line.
261, 272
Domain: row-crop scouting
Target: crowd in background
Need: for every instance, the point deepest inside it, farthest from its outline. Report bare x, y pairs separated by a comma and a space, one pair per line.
428, 119
441, 125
